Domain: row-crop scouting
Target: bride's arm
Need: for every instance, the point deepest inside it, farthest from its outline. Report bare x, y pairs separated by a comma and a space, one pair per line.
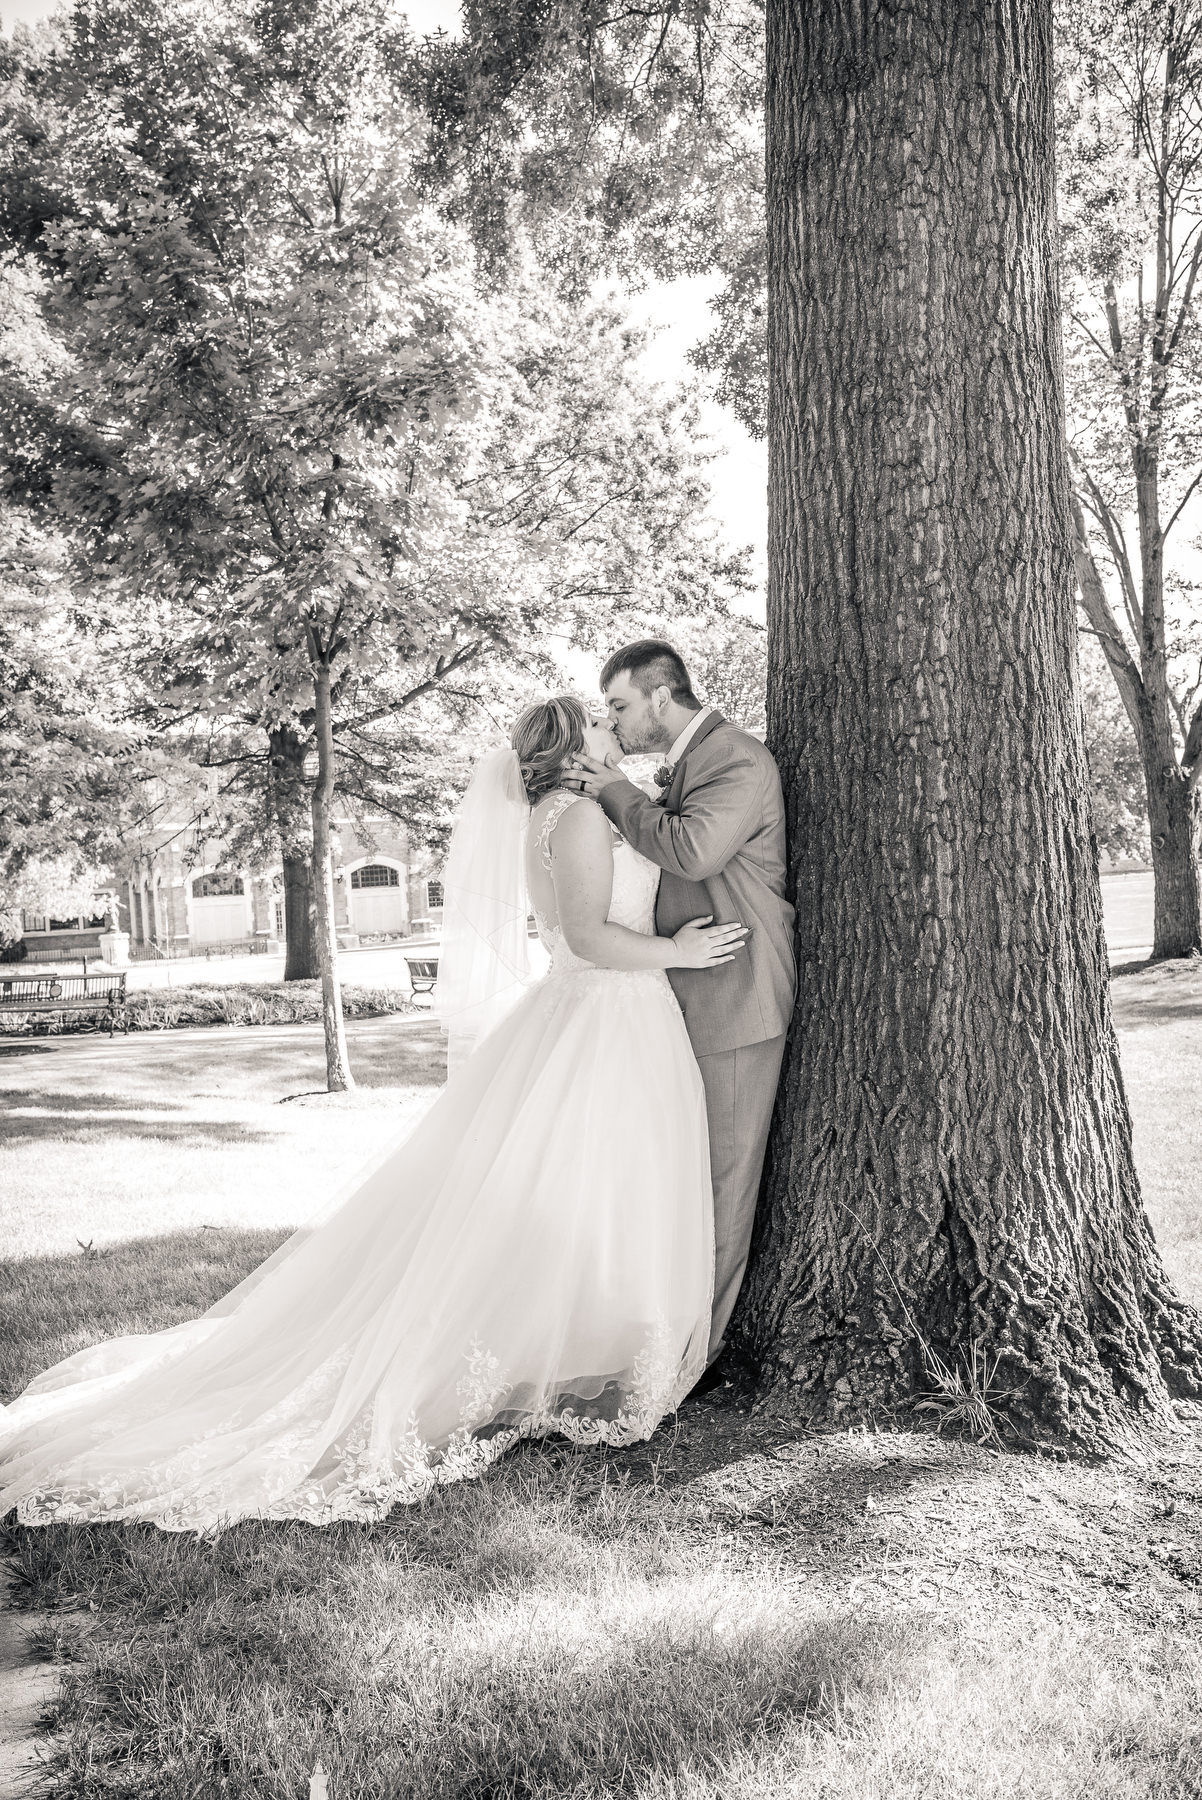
582, 865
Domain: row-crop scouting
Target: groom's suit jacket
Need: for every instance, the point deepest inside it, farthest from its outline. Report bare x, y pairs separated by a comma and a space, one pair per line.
718, 834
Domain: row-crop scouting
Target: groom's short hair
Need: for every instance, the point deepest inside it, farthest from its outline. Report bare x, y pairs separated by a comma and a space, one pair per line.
652, 663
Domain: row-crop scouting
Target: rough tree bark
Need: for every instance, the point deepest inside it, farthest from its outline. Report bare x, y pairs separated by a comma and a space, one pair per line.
291, 804
952, 1150
338, 1067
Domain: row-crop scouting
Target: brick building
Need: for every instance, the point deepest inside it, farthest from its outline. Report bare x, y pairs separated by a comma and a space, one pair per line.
182, 895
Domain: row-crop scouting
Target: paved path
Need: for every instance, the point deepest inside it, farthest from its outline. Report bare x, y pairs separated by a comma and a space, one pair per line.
380, 965
1127, 909
27, 1689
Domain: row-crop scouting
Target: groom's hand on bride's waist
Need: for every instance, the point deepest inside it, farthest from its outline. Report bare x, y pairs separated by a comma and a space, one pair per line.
588, 775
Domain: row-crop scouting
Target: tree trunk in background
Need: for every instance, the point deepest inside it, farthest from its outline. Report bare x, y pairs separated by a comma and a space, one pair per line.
300, 938
1173, 817
292, 805
1172, 809
1171, 789
952, 1149
338, 1068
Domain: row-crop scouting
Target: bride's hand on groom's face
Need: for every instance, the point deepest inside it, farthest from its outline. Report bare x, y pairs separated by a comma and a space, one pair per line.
588, 775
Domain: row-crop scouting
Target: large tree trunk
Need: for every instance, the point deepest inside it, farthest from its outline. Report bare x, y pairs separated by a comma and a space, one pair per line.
292, 804
951, 1163
338, 1067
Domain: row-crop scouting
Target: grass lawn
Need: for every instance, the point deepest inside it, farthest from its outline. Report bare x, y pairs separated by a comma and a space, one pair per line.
735, 1610
106, 1140
1158, 1012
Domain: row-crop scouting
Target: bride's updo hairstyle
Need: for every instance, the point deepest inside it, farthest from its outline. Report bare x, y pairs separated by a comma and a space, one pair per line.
546, 737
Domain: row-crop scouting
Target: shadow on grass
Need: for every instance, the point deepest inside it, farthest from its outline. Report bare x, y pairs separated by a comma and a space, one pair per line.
536, 1658
1157, 993
263, 1063
52, 1306
506, 1642
66, 1118
83, 1103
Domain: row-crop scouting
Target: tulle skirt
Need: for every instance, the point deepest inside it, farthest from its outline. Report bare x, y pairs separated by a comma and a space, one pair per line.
535, 1257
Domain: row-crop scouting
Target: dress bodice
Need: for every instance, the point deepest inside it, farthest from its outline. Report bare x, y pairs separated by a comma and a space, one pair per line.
632, 902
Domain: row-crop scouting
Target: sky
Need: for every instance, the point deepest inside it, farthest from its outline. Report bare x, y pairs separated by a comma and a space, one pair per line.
676, 311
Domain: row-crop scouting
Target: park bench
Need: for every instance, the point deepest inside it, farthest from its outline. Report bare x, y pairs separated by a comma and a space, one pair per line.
423, 973
66, 993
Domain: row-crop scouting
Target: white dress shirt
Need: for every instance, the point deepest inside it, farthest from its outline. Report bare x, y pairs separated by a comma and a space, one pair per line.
687, 735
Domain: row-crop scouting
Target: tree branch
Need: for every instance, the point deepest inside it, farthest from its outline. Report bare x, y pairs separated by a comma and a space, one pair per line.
1176, 513
442, 668
1191, 756
1097, 610
1117, 545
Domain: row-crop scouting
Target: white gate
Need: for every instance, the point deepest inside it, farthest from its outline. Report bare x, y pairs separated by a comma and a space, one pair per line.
220, 914
377, 900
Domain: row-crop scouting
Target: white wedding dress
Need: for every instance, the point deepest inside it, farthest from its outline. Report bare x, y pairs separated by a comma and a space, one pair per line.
535, 1257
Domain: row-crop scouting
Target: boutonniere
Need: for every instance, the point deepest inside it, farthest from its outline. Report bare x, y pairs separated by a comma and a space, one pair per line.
663, 777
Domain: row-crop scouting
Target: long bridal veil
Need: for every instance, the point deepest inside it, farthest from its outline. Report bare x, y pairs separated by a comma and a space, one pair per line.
485, 964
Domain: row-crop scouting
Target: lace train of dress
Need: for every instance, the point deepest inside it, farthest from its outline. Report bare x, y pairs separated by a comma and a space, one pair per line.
534, 1257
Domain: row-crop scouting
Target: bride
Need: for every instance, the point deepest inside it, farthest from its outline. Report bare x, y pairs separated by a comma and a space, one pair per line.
535, 1257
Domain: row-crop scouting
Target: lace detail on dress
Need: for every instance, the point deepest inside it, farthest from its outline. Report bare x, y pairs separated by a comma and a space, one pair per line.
632, 904
365, 1473
551, 818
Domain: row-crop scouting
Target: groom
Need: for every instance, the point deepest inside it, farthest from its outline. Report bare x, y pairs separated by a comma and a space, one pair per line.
718, 833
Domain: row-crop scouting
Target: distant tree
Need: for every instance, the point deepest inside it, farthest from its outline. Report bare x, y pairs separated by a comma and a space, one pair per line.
329, 470
61, 889
728, 660
72, 776
1130, 116
1116, 776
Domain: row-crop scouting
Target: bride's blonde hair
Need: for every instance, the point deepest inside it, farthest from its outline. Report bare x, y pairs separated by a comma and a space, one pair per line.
546, 736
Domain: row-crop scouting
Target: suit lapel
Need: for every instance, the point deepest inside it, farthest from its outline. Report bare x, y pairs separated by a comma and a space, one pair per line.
676, 787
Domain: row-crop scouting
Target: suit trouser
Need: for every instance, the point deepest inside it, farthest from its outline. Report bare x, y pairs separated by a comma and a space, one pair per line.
740, 1088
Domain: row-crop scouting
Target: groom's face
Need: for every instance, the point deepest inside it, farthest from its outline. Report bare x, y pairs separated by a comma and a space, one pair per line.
635, 716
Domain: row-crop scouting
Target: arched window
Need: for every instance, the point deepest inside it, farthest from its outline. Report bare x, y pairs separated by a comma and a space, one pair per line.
216, 886
433, 894
375, 875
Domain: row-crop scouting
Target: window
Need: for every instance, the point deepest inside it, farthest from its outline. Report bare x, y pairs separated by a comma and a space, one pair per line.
375, 875
216, 886
433, 894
